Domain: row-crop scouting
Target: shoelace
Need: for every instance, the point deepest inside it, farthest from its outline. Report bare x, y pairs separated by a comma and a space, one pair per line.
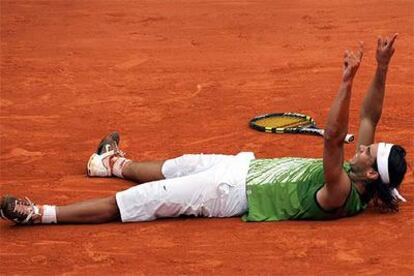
119, 152
115, 150
25, 208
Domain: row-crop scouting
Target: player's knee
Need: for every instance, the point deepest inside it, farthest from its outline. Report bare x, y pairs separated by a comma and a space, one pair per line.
112, 211
115, 214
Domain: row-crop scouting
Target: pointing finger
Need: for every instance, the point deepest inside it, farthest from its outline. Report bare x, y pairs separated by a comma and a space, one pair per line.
393, 38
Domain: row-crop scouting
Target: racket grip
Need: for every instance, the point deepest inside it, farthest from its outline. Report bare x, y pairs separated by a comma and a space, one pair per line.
349, 138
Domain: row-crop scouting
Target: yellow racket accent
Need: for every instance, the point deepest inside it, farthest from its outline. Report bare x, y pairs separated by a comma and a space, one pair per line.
289, 122
282, 122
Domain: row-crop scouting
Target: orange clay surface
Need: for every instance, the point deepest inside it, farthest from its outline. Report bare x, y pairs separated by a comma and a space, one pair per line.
180, 77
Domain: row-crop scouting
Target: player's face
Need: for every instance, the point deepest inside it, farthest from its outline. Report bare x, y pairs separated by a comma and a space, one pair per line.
365, 156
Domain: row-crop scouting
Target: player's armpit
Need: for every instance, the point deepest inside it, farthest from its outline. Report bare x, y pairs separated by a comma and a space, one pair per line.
334, 195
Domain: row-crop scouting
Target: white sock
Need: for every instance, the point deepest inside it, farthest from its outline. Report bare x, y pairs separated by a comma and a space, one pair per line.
49, 214
119, 164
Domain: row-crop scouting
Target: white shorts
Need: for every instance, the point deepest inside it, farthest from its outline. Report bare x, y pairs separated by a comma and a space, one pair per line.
207, 185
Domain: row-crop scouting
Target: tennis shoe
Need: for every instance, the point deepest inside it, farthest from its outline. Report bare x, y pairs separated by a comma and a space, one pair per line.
100, 163
19, 211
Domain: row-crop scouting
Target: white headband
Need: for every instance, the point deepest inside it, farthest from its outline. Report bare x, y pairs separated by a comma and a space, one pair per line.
382, 162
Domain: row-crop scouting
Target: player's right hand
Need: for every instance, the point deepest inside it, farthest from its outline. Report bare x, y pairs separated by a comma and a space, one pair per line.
351, 62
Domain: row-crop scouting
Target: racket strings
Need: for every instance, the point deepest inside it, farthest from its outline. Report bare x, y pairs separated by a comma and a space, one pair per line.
283, 122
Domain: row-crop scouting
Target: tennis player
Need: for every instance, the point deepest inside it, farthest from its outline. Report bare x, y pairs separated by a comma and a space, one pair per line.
240, 185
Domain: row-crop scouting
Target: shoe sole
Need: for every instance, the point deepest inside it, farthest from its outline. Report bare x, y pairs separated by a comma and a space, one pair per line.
3, 205
114, 136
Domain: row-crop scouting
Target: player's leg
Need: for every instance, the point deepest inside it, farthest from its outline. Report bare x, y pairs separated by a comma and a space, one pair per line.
141, 172
197, 194
23, 211
90, 211
147, 171
110, 161
217, 192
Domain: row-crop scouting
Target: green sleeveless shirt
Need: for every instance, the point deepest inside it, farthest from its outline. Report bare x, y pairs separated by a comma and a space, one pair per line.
285, 188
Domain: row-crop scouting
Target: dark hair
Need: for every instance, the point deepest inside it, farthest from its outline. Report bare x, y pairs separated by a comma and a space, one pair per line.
397, 166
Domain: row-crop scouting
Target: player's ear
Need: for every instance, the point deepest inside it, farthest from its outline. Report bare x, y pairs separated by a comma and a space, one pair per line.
372, 174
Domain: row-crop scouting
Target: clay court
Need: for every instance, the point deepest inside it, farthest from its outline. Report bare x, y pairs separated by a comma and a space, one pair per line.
180, 77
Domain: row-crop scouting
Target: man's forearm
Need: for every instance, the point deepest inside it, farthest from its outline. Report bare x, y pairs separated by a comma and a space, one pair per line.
337, 123
372, 106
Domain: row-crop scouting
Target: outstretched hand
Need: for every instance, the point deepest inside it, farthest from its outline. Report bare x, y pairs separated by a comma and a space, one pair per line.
385, 49
351, 62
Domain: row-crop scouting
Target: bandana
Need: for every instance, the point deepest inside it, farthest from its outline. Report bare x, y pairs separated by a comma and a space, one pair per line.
383, 154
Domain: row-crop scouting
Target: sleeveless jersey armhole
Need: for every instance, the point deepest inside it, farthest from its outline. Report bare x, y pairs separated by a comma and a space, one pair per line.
334, 210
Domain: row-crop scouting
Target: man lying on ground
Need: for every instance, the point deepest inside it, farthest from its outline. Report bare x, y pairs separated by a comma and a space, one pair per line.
240, 185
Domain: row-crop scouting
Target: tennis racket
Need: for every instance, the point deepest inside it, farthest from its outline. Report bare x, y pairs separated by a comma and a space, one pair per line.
295, 123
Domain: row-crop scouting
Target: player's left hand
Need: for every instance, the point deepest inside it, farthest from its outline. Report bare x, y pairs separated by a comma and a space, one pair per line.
385, 50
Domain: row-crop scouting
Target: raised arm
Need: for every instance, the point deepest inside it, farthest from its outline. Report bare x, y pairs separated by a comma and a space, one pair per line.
371, 108
337, 184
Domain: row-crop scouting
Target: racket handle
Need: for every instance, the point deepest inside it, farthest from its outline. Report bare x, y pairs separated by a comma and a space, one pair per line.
349, 138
